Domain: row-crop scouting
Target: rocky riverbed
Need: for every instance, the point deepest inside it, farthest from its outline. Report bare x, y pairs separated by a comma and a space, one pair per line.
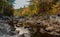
28, 26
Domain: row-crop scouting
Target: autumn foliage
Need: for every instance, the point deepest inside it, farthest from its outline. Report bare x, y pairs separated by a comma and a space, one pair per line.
40, 7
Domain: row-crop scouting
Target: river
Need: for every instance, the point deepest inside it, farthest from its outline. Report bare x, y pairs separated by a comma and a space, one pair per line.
5, 31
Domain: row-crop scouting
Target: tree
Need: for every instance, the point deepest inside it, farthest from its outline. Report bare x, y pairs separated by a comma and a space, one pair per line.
6, 7
44, 7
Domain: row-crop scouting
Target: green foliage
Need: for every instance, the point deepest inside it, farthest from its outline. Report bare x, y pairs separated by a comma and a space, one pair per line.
6, 7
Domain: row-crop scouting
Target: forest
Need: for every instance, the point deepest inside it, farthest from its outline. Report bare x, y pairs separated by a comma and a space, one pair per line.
39, 8
36, 7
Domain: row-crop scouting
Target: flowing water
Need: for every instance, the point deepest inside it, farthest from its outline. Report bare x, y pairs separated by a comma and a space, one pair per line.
5, 31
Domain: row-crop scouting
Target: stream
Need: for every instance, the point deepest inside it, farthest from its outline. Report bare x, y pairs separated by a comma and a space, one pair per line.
5, 30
